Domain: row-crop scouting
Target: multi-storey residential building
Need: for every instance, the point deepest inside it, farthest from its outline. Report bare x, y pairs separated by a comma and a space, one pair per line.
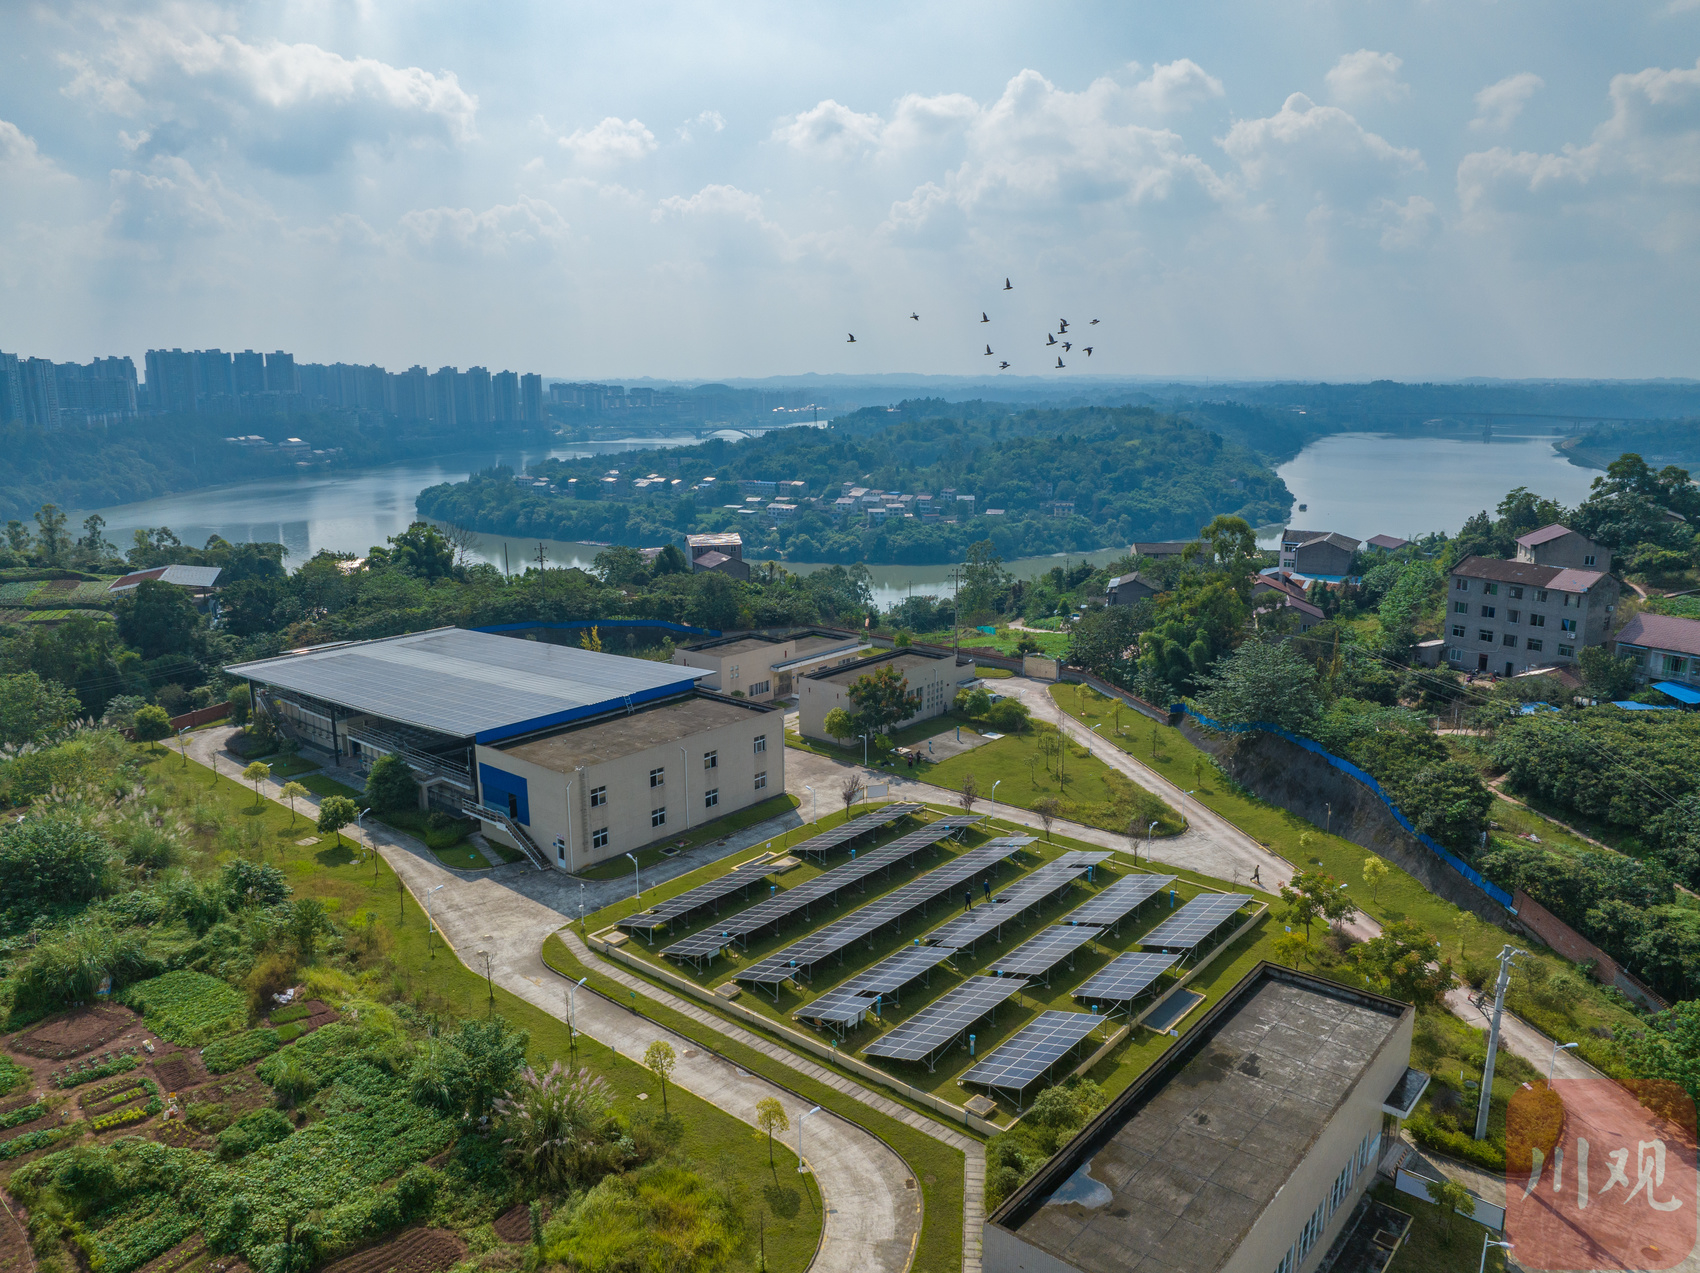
1558, 545
504, 396
1317, 554
171, 380
280, 373
531, 396
1507, 617
1664, 648
248, 369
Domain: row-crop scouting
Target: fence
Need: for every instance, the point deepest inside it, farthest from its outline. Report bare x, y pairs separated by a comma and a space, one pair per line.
1579, 950
1458, 864
574, 625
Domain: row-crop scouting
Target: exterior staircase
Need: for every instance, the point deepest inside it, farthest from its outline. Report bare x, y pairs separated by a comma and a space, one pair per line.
521, 836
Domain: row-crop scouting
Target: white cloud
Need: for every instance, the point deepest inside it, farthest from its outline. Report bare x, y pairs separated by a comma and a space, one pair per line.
613, 141
528, 223
293, 107
831, 131
1177, 86
1365, 77
1498, 104
1405, 225
21, 160
1304, 138
715, 200
713, 121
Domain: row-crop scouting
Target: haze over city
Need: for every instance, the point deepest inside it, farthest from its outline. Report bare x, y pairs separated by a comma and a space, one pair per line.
1329, 190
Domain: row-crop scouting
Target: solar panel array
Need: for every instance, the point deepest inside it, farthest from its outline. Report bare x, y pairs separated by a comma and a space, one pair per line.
1125, 977
1036, 886
1027, 891
783, 905
665, 912
1113, 904
1043, 951
844, 832
845, 1004
1034, 1049
1195, 921
967, 929
936, 1025
877, 913
1082, 857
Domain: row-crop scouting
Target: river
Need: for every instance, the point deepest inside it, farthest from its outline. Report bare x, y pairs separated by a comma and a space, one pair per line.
1360, 484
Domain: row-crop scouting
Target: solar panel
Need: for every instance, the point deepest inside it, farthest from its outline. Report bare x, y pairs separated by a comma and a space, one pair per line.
1036, 956
1195, 921
936, 1025
830, 839
708, 894
1033, 1050
698, 945
1125, 977
1042, 883
967, 929
845, 1004
1082, 857
1115, 902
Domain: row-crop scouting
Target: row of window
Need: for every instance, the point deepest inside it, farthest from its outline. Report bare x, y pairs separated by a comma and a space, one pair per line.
658, 776
1534, 646
658, 815
1365, 1156
1515, 592
1514, 616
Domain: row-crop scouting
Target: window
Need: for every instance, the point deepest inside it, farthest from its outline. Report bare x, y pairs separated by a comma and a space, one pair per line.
1537, 620
761, 743
1487, 612
599, 838
1566, 651
761, 780
1461, 607
1540, 594
1485, 635
1511, 615
760, 687
1463, 585
658, 777
1567, 625
1533, 645
1588, 560
1516, 594
658, 817
1675, 663
1508, 640
711, 760
598, 797
711, 797
1458, 629
1566, 602
1453, 656
1492, 589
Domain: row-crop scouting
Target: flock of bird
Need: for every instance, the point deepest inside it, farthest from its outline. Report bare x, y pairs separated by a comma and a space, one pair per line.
1050, 337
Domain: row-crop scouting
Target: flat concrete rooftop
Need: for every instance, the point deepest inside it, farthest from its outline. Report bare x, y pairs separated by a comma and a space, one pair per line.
743, 645
566, 749
862, 667
1171, 1179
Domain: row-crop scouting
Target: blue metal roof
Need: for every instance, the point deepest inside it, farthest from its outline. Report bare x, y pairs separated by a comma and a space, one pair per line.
1682, 693
1629, 705
471, 684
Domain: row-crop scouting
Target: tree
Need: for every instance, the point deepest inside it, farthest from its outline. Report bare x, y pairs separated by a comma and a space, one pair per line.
50, 861
423, 551
883, 699
984, 581
771, 1118
18, 537
1314, 895
1375, 871
1608, 676
671, 560
157, 619
1048, 808
1100, 642
850, 791
94, 541
1407, 961
556, 1127
292, 791
969, 793
336, 812
307, 923
390, 786
152, 724
1263, 682
1668, 1047
1049, 744
1451, 1197
257, 772
468, 1070
839, 724
621, 566
658, 1057
31, 707
50, 532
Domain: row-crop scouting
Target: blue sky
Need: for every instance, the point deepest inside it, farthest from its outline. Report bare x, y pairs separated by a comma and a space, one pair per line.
1319, 190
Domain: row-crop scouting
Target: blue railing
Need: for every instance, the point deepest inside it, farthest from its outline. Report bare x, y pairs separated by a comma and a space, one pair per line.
1347, 767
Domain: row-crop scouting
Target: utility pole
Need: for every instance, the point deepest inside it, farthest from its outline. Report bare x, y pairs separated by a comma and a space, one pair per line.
542, 556
956, 612
1484, 1098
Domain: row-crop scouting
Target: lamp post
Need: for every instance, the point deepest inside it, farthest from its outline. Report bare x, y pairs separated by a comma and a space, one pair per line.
637, 877
685, 765
571, 867
995, 798
814, 804
581, 908
430, 922
1486, 1243
864, 739
1556, 1049
572, 1011
1184, 795
485, 956
183, 745
1328, 826
1148, 831
1484, 1097
801, 1167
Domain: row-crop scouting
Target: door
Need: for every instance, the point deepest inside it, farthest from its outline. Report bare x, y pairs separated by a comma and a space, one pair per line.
1481, 662
513, 806
1508, 667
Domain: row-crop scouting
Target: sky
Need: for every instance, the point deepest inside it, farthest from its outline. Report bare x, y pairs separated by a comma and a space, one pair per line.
1312, 189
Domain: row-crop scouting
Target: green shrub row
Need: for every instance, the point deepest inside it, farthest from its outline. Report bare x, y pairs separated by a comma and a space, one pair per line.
35, 1140
27, 1114
118, 1065
294, 1012
223, 1055
123, 1117
1431, 1135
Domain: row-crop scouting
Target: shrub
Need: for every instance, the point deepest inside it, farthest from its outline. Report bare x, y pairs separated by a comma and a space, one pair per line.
1432, 1135
665, 1217
294, 1012
51, 861
253, 1131
189, 1008
70, 969
118, 1065
223, 1055
1008, 716
391, 786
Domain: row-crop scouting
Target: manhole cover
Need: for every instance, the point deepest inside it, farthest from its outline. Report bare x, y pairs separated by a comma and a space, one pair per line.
643, 1096
689, 1052
909, 1183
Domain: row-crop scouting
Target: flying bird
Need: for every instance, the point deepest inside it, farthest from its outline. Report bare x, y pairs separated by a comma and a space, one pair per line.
988, 351
915, 316
852, 339
1064, 326
1050, 339
1002, 365
1093, 323
1088, 349
1059, 362
1006, 286
1067, 345
983, 317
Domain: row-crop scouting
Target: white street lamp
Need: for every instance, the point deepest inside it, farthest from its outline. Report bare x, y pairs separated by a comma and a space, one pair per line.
995, 797
1486, 1243
430, 923
814, 804
572, 1013
800, 1165
1148, 831
1556, 1049
637, 877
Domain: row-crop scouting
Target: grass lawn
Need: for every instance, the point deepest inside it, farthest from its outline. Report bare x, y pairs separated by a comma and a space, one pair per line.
993, 673
703, 833
463, 857
323, 785
1091, 793
1515, 823
1004, 641
1399, 896
910, 736
285, 767
400, 965
1433, 1244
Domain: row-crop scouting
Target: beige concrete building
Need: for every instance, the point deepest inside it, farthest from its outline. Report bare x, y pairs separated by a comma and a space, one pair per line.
1511, 617
596, 790
935, 677
1244, 1149
1558, 545
762, 666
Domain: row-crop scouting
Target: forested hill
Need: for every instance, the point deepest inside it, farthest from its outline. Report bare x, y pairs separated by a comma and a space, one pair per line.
1130, 474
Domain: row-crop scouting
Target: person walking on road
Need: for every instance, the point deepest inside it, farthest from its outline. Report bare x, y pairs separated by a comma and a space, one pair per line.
1256, 878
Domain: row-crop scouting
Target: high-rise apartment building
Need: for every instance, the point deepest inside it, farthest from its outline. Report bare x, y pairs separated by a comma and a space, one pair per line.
212, 377
280, 373
504, 396
480, 410
41, 392
248, 370
104, 387
11, 389
442, 403
531, 396
171, 380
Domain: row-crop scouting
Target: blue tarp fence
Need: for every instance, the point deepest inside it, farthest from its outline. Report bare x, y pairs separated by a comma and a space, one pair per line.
1347, 767
573, 625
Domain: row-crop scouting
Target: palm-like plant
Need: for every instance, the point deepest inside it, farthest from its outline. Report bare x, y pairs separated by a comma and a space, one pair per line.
556, 1127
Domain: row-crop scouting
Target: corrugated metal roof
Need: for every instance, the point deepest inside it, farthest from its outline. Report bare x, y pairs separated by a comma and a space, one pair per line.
183, 576
471, 684
1545, 535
